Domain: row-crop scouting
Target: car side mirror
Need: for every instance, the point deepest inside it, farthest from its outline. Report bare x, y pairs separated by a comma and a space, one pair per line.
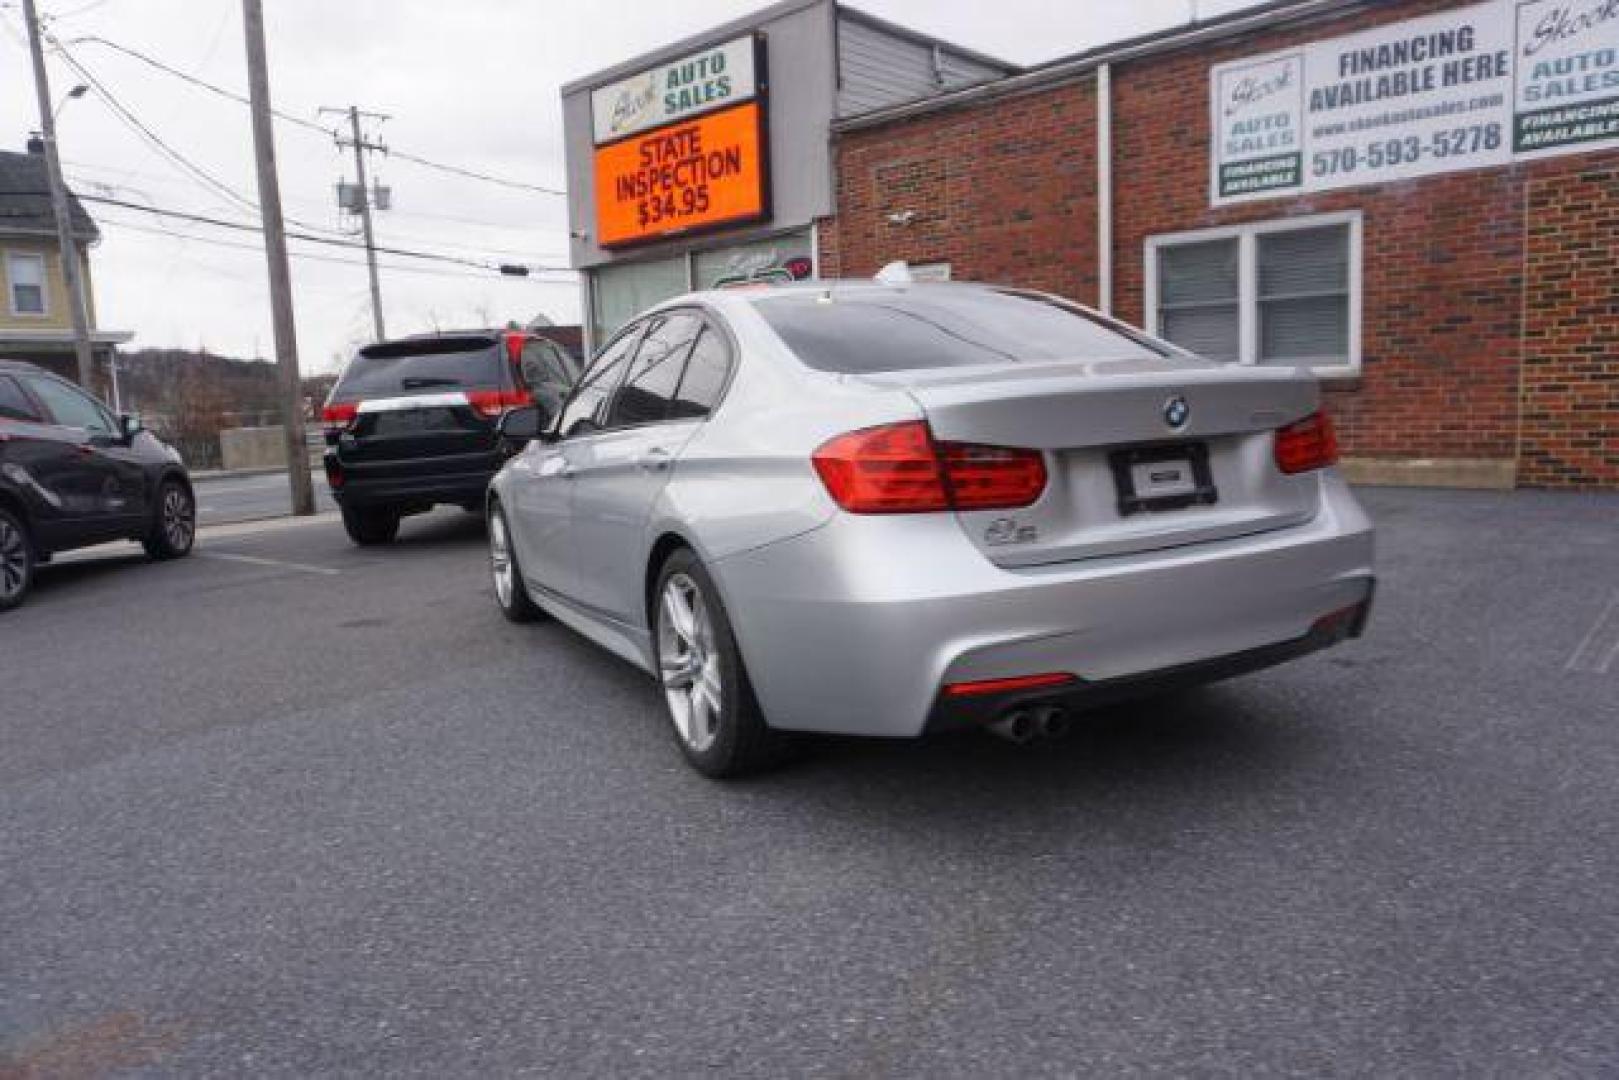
129, 426
522, 424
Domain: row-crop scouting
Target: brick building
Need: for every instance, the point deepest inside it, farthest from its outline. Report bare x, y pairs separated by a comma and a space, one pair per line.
1418, 198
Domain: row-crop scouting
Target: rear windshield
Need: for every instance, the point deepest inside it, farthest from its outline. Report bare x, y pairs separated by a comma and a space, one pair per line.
876, 330
447, 363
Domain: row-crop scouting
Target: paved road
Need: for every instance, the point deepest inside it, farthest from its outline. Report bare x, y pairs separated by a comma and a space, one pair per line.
294, 808
226, 499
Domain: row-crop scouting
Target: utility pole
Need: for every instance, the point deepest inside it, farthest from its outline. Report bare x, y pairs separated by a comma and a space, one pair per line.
69, 251
275, 251
363, 201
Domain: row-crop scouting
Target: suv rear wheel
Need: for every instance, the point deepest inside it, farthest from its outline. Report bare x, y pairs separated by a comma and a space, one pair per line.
16, 560
371, 524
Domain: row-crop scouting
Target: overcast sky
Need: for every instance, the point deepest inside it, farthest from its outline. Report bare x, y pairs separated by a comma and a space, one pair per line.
474, 83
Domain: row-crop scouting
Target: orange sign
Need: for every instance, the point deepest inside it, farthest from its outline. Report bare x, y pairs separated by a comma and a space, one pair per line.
694, 175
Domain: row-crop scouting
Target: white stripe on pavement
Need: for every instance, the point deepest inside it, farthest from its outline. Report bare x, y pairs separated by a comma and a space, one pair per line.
256, 561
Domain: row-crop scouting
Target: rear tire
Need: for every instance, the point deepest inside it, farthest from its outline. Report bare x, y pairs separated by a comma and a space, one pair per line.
174, 522
511, 595
16, 560
713, 713
371, 525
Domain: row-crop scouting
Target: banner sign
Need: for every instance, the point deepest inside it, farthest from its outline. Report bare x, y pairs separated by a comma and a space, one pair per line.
1478, 86
714, 78
710, 171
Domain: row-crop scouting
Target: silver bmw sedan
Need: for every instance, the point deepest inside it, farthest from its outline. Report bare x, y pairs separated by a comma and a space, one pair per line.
890, 510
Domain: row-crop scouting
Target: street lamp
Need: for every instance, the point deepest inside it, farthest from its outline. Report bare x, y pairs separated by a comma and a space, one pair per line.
77, 92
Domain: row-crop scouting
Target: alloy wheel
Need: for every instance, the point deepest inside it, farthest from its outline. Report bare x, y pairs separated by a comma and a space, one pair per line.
689, 662
500, 559
179, 518
13, 560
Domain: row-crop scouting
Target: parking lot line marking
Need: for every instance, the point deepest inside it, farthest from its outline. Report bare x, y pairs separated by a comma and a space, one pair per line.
1595, 643
256, 561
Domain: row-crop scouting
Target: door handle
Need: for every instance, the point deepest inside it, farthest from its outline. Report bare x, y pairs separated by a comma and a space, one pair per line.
656, 459
558, 467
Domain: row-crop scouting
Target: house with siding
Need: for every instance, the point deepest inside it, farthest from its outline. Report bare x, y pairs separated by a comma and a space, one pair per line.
34, 321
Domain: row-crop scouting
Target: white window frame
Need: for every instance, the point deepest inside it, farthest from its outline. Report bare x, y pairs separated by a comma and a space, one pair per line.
1248, 235
44, 312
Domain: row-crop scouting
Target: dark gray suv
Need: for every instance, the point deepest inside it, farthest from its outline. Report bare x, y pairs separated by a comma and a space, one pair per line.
412, 423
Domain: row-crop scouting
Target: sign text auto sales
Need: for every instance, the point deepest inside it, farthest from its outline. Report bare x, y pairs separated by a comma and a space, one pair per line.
1475, 86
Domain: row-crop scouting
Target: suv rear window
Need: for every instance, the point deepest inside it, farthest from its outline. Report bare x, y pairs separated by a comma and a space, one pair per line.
446, 363
875, 330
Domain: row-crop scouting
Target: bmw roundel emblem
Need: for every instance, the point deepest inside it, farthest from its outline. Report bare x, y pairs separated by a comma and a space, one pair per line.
1177, 412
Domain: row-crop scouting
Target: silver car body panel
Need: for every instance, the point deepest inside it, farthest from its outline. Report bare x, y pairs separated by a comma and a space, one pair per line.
851, 623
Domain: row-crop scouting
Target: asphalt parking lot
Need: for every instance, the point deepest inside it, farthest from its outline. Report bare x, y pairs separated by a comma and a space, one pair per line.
293, 808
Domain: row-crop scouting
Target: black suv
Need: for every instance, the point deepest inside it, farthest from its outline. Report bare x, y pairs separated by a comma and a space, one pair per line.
413, 423
73, 475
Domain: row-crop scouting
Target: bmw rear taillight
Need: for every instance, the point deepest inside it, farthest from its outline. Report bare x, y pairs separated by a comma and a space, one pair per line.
1307, 444
899, 469
495, 402
339, 417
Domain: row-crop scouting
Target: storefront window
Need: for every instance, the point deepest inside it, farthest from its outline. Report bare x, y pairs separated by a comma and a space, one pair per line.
782, 256
1281, 293
619, 293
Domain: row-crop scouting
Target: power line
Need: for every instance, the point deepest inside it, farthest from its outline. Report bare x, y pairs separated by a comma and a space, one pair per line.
238, 226
456, 170
305, 255
129, 119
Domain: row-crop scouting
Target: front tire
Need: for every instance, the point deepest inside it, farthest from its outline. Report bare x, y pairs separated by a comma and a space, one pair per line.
371, 525
174, 525
715, 718
511, 595
16, 560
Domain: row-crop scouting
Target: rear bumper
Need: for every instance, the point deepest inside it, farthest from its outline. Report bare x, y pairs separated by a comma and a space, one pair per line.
959, 713
855, 628
402, 488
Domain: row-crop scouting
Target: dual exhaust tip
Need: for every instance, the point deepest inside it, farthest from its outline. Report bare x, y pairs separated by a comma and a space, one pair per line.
1039, 722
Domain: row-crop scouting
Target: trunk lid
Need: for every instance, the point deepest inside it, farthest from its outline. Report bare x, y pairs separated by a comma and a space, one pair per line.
1121, 476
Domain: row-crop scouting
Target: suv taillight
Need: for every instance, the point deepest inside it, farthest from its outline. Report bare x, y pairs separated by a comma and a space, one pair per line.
1307, 444
899, 469
339, 417
495, 402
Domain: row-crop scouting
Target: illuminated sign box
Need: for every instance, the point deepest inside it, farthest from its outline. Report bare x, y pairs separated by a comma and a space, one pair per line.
709, 171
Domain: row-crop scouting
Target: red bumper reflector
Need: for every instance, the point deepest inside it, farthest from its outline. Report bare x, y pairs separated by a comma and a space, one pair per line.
1003, 686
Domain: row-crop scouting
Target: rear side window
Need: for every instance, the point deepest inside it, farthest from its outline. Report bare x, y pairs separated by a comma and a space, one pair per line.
14, 404
875, 330
654, 376
403, 367
703, 381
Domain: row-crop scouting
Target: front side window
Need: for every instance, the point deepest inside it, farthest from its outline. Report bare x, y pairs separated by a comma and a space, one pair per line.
582, 414
650, 385
1284, 294
547, 372
70, 407
14, 404
26, 276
